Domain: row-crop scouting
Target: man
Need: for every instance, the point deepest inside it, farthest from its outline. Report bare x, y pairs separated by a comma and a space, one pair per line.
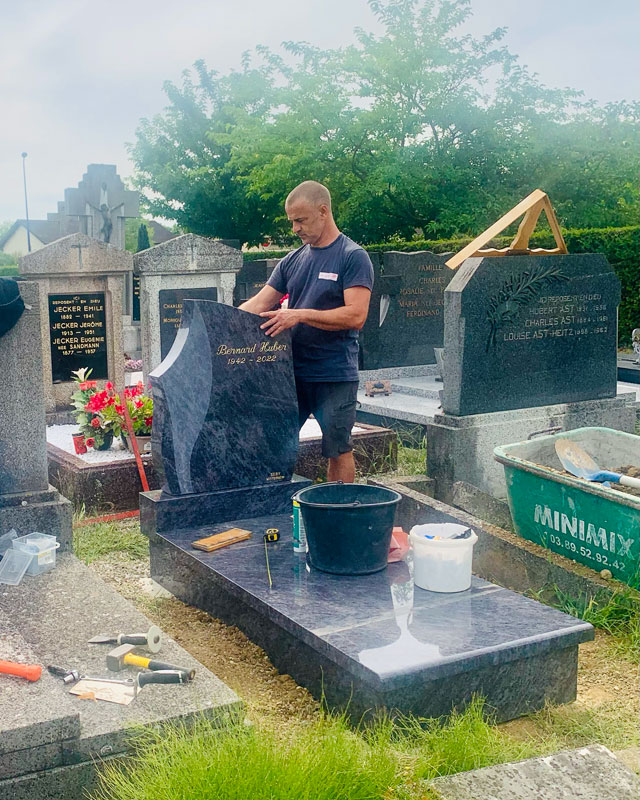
329, 281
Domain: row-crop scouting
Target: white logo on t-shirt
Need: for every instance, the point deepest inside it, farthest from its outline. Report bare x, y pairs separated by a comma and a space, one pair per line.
328, 276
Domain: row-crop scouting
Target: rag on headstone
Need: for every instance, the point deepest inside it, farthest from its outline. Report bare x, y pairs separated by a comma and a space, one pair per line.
225, 407
27, 502
406, 313
251, 278
81, 295
186, 267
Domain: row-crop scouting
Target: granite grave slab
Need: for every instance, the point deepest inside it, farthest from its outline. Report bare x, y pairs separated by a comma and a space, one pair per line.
527, 331
406, 313
46, 734
225, 407
376, 642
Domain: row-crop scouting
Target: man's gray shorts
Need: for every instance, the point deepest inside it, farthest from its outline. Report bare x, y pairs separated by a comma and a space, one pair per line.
334, 406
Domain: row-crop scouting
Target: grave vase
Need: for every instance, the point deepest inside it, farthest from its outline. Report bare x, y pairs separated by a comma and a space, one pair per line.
144, 443
107, 441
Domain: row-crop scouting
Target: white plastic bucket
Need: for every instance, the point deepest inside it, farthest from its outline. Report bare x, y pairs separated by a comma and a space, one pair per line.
441, 565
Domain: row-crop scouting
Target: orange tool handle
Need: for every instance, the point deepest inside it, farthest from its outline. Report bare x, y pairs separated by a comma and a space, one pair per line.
31, 672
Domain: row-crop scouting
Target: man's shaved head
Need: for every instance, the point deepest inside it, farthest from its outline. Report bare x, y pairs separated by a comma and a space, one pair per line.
310, 192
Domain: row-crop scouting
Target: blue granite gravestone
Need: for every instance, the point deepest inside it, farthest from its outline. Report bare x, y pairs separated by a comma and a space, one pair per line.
225, 407
528, 331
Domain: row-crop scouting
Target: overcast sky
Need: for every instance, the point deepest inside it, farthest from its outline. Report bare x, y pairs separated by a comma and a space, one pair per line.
76, 76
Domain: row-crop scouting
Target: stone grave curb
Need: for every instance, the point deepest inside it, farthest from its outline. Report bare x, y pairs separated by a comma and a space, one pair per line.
588, 773
72, 736
504, 558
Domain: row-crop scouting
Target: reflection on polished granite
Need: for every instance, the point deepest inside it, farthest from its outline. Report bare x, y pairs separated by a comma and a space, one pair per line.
377, 641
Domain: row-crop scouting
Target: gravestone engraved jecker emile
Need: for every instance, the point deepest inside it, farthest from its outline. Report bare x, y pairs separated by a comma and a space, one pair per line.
406, 314
525, 331
225, 408
82, 283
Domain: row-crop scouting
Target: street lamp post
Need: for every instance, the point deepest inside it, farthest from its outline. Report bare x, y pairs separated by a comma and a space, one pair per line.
26, 205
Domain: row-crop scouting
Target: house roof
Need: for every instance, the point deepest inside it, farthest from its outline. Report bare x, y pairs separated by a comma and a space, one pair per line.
160, 233
47, 230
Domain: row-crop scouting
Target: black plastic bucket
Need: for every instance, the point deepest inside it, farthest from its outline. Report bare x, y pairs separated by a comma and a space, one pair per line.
348, 526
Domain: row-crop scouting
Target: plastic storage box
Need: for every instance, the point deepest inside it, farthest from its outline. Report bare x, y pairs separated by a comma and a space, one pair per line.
587, 522
13, 566
42, 547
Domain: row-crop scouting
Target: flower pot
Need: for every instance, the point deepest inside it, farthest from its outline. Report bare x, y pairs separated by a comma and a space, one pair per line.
106, 442
78, 443
144, 443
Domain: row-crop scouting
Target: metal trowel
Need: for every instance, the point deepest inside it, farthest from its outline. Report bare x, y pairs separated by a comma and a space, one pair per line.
125, 690
579, 463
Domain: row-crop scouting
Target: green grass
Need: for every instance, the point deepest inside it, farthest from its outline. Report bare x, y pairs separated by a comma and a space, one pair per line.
571, 726
94, 541
321, 759
8, 269
412, 453
619, 617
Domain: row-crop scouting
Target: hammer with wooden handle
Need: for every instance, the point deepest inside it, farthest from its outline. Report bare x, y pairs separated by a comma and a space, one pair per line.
31, 672
121, 657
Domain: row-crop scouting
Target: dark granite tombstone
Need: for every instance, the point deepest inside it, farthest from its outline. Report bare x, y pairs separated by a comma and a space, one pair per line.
405, 320
251, 278
225, 408
135, 299
526, 331
171, 302
78, 334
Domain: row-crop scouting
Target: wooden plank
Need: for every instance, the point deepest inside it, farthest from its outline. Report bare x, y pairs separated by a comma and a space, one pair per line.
493, 230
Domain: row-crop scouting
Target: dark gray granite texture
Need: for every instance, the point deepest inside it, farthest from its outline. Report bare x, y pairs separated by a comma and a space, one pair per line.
160, 512
375, 641
47, 511
225, 406
251, 278
628, 369
526, 331
59, 611
23, 455
406, 313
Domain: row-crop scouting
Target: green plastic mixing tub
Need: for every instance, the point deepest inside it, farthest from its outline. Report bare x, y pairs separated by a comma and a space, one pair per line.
587, 522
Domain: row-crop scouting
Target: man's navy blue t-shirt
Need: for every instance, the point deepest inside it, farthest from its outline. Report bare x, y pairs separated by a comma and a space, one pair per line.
316, 277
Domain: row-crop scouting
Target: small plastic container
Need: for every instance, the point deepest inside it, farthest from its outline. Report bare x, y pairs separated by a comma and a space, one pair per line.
442, 564
6, 541
13, 566
42, 547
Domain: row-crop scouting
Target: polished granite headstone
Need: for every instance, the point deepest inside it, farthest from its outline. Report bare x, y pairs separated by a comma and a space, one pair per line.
406, 313
527, 331
376, 641
251, 278
225, 407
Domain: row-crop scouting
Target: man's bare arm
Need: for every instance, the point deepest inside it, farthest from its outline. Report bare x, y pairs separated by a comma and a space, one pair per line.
265, 300
351, 316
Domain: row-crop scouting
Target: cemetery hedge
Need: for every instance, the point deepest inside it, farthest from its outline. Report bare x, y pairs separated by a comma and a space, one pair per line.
621, 246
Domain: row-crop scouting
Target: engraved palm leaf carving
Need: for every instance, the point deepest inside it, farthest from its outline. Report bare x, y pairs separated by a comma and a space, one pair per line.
517, 291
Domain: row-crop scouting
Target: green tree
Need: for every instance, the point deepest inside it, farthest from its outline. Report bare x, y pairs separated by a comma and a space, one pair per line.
403, 128
143, 238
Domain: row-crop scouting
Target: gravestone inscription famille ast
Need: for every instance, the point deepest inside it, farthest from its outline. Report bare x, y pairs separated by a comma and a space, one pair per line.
526, 331
225, 407
406, 314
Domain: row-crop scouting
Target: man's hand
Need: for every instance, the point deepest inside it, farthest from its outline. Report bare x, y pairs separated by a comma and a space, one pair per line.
278, 321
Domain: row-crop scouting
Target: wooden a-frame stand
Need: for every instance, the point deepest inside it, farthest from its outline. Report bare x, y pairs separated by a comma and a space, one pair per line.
532, 206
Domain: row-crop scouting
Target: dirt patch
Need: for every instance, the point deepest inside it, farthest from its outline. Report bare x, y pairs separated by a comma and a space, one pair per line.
225, 650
